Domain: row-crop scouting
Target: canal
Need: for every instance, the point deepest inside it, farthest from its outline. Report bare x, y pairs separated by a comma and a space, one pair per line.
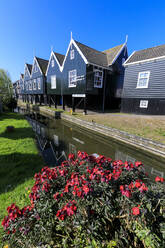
57, 138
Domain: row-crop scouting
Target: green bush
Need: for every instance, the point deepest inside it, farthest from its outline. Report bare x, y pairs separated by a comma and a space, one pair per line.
90, 202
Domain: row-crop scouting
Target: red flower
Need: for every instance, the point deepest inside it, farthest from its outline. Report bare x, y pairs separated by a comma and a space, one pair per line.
137, 184
121, 187
85, 189
135, 211
159, 179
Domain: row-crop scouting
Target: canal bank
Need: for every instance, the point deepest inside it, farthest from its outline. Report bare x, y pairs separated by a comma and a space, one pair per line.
141, 143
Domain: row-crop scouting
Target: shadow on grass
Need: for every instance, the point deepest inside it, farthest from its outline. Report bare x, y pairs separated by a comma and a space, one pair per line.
16, 168
11, 116
18, 133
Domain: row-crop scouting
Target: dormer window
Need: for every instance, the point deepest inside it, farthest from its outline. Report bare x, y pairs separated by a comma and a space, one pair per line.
72, 54
52, 63
98, 78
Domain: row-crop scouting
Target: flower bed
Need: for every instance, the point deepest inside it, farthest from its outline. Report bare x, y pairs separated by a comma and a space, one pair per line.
90, 202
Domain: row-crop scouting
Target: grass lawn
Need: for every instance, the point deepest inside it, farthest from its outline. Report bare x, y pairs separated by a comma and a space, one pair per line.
19, 160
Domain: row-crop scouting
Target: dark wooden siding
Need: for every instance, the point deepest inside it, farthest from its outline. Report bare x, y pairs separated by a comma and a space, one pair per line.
21, 86
78, 64
54, 71
132, 105
36, 75
156, 85
118, 88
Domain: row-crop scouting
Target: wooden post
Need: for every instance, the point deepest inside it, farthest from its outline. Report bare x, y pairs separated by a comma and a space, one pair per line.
55, 102
104, 89
63, 103
45, 100
49, 100
73, 105
85, 110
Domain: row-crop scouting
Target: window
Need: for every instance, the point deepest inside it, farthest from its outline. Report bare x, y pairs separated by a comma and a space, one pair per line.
98, 78
123, 60
72, 78
26, 85
143, 104
53, 82
30, 85
34, 84
35, 68
39, 83
72, 54
143, 79
52, 62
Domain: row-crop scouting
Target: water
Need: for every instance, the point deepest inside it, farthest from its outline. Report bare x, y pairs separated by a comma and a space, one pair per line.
58, 138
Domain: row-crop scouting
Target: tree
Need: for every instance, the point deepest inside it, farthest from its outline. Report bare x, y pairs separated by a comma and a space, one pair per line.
6, 91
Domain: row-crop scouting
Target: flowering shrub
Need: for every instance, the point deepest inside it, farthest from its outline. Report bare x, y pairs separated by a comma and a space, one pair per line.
90, 202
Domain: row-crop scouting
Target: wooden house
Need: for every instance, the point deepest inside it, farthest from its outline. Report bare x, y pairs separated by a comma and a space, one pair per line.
93, 77
54, 78
37, 83
144, 82
20, 88
27, 81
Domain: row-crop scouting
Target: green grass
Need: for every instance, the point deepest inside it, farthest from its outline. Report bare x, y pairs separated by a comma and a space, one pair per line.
19, 160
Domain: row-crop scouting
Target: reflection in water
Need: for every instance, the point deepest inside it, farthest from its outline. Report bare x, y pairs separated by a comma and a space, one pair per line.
58, 138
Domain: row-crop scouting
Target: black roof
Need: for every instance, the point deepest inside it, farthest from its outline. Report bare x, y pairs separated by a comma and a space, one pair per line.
22, 75
29, 67
93, 56
60, 57
149, 53
43, 63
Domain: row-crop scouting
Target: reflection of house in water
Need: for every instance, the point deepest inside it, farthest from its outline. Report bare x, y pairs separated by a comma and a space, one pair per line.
151, 170
155, 172
72, 149
124, 157
62, 138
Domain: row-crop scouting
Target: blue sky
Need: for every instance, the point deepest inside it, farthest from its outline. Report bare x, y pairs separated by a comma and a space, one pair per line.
29, 27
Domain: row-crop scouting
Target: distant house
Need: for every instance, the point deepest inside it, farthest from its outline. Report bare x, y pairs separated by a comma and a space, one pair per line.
54, 77
144, 82
15, 89
27, 80
35, 83
95, 76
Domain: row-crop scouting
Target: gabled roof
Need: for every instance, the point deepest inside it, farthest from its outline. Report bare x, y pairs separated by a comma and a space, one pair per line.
60, 57
146, 54
105, 58
93, 56
22, 75
113, 53
43, 63
29, 67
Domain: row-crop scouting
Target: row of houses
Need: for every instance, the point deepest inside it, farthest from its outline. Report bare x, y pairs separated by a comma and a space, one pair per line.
97, 80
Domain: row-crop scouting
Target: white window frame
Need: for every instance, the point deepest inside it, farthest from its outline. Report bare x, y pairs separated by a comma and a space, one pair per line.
35, 67
34, 84
140, 77
143, 103
39, 83
52, 63
72, 79
72, 54
30, 84
96, 78
53, 81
